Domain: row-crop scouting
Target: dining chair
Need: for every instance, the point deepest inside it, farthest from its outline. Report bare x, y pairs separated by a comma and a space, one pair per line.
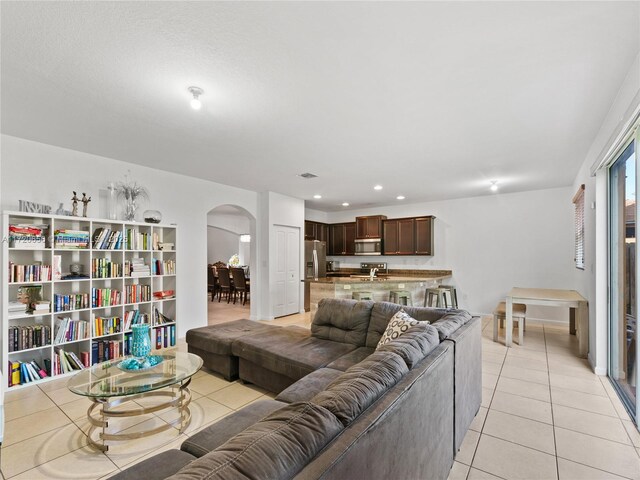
225, 284
241, 284
213, 286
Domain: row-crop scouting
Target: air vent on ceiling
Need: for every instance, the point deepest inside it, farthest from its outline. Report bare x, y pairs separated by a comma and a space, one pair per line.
308, 175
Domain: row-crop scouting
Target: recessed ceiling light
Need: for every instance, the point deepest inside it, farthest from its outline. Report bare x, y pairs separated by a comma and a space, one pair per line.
317, 196
345, 204
400, 197
196, 104
494, 185
378, 187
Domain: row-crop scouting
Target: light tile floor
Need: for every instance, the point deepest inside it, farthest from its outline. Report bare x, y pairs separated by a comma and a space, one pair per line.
543, 415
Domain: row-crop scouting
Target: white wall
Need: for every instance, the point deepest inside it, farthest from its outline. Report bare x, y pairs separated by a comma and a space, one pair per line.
221, 244
47, 174
592, 281
492, 243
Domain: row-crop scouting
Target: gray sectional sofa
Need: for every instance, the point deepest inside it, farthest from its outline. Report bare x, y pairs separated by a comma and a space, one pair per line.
344, 409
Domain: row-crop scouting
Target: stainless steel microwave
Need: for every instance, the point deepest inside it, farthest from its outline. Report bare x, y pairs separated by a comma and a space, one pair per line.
368, 246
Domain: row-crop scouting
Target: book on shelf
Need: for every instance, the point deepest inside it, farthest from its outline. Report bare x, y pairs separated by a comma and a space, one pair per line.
105, 297
103, 350
28, 236
107, 239
164, 337
167, 267
25, 372
159, 318
105, 268
29, 273
166, 246
24, 337
137, 293
16, 307
135, 240
134, 317
71, 239
66, 361
136, 268
74, 301
106, 326
69, 330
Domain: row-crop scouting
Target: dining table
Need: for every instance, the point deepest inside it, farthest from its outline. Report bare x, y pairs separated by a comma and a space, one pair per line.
578, 311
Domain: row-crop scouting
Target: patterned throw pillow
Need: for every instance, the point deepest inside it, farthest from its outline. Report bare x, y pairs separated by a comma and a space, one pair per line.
399, 324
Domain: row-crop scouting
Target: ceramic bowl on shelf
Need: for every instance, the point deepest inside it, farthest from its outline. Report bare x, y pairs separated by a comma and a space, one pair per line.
152, 216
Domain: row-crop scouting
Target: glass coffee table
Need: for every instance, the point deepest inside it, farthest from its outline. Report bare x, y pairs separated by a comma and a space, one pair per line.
109, 386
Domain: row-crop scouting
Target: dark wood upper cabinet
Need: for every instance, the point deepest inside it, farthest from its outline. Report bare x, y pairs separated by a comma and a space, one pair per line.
399, 236
342, 239
424, 235
322, 232
316, 231
309, 230
369, 227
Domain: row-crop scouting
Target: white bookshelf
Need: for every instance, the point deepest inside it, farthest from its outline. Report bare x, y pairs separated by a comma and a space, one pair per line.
85, 257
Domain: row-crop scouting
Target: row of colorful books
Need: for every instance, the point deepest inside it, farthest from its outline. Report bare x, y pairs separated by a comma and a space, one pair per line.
163, 337
137, 293
66, 303
159, 267
30, 336
29, 273
159, 318
67, 361
103, 350
73, 239
105, 268
107, 239
105, 297
106, 326
134, 317
134, 240
69, 330
26, 372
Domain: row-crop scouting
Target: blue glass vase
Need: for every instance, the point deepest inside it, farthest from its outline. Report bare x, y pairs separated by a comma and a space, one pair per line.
141, 340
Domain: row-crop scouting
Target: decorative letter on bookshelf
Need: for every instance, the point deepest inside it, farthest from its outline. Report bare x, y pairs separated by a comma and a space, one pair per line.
72, 288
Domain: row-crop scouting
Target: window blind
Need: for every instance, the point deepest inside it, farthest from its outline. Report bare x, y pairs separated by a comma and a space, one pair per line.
578, 204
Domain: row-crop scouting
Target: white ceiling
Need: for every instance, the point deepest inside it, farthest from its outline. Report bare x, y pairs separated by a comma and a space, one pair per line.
430, 100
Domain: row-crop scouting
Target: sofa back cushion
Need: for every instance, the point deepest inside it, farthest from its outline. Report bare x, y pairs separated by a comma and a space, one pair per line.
382, 312
361, 385
278, 446
414, 344
345, 321
450, 322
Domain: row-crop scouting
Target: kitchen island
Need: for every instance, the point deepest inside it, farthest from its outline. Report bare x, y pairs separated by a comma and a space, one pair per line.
343, 287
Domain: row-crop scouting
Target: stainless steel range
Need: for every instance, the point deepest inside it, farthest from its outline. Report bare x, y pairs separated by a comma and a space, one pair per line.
366, 268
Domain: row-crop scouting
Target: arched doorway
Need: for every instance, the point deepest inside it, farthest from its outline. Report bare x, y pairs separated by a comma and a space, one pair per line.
231, 236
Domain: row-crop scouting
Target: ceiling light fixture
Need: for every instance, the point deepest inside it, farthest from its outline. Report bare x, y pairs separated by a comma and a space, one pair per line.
378, 187
345, 204
400, 197
317, 197
494, 185
196, 104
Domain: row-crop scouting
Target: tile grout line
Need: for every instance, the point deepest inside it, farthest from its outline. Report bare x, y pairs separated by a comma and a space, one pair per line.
553, 422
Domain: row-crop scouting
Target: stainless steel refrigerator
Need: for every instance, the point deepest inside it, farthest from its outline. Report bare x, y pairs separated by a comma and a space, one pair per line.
315, 257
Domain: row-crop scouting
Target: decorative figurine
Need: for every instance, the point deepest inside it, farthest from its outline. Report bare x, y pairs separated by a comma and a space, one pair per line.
74, 199
85, 202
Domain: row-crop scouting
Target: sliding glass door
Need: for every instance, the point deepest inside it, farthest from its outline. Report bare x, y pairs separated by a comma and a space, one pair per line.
623, 315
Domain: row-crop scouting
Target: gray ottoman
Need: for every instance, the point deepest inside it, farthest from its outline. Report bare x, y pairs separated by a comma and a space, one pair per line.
213, 344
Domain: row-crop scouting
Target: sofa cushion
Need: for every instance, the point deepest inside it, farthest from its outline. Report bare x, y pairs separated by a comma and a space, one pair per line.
361, 385
350, 359
415, 344
342, 320
289, 351
215, 435
450, 322
382, 312
400, 323
158, 467
218, 338
278, 446
309, 386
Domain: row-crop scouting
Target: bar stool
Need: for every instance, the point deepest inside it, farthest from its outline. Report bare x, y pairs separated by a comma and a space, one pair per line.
452, 295
362, 296
519, 315
438, 294
401, 297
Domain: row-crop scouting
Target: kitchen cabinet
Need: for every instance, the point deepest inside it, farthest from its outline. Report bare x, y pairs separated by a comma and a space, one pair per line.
342, 239
399, 236
408, 236
316, 231
369, 227
424, 235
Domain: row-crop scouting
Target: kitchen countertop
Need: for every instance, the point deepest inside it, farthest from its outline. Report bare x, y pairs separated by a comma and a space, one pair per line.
390, 278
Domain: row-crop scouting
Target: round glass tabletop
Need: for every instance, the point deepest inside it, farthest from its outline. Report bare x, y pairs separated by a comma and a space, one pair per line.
107, 380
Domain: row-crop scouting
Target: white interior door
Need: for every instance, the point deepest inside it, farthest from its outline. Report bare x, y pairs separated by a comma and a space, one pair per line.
286, 286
